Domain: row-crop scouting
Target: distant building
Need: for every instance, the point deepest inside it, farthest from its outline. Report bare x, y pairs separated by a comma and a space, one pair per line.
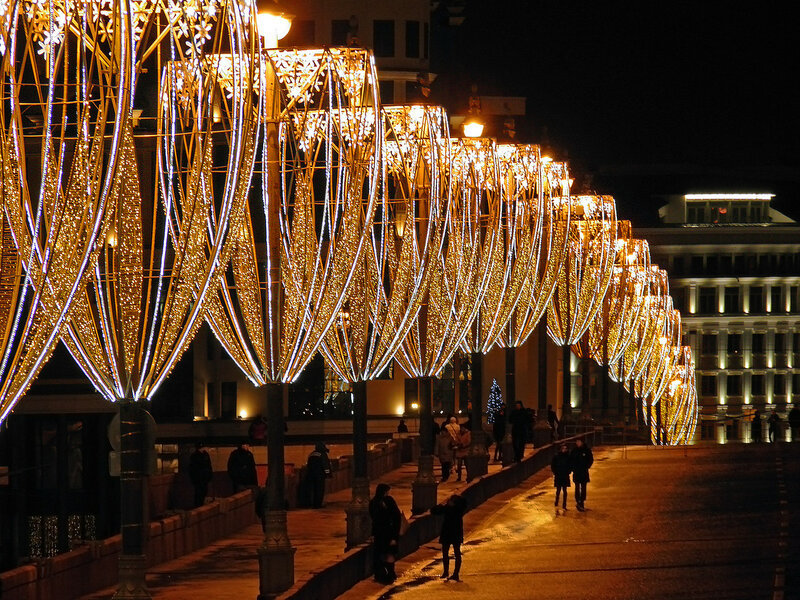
734, 267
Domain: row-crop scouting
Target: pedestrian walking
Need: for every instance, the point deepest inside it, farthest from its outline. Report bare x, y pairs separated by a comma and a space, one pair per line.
318, 469
462, 448
794, 422
200, 473
561, 466
774, 422
755, 427
386, 519
499, 430
452, 533
552, 420
242, 468
444, 451
519, 430
581, 460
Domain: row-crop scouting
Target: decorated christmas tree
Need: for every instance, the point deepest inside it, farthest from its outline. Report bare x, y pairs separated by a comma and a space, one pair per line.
495, 400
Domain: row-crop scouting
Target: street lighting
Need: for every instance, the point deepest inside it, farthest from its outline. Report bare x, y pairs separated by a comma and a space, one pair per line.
273, 26
473, 128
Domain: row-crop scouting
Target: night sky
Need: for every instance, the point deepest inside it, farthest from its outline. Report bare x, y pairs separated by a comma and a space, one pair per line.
643, 99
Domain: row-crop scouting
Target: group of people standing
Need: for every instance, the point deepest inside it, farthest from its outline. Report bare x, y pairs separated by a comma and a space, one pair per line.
452, 443
774, 425
578, 462
241, 470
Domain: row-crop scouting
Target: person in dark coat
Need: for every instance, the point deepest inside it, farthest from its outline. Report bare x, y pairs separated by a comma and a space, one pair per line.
499, 430
755, 427
318, 469
200, 473
561, 467
444, 451
242, 468
773, 421
402, 427
461, 448
385, 515
581, 460
452, 533
519, 430
552, 420
794, 422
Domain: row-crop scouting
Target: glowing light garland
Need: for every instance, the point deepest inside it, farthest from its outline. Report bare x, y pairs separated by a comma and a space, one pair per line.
586, 274
63, 79
165, 230
389, 285
309, 228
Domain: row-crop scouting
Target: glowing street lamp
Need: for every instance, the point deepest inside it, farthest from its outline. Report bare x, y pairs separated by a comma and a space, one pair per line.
273, 25
473, 129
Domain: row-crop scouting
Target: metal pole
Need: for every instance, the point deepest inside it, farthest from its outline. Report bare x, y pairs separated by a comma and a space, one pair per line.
477, 460
424, 488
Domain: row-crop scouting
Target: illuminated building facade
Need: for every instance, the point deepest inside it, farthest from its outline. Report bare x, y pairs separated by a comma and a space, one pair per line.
734, 266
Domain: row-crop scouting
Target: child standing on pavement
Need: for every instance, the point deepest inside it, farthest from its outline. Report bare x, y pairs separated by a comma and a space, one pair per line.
561, 467
452, 532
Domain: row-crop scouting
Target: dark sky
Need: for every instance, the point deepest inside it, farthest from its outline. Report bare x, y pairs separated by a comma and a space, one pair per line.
647, 98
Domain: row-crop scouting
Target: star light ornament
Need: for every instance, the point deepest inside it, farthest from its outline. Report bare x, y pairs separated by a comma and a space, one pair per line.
64, 101
405, 236
165, 228
546, 193
310, 212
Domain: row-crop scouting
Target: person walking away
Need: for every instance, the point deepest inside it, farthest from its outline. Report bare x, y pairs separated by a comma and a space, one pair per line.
200, 473
552, 420
452, 533
444, 451
461, 448
561, 467
385, 533
402, 427
519, 430
499, 430
774, 421
453, 429
242, 468
318, 469
794, 422
755, 427
581, 460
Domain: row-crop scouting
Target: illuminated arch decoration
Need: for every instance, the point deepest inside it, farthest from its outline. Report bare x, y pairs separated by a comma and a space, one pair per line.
548, 254
586, 273
653, 378
64, 101
407, 232
165, 229
297, 250
459, 274
678, 404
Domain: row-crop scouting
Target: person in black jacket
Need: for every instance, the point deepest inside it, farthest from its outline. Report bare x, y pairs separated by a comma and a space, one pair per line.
561, 468
242, 468
519, 430
452, 532
385, 532
581, 460
200, 473
318, 469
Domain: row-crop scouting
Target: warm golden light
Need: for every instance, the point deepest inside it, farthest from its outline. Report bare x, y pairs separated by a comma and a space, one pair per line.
473, 129
273, 27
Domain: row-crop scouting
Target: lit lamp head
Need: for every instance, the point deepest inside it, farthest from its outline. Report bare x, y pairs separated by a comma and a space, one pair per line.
473, 128
273, 24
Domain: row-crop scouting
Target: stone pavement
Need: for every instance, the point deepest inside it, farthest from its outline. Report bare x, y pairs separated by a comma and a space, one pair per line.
228, 569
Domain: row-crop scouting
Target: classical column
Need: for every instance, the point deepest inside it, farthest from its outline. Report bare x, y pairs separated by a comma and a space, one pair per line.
541, 429
276, 555
477, 459
424, 488
133, 502
359, 524
507, 446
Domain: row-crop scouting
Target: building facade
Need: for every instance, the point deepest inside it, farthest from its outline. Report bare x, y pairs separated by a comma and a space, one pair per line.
734, 267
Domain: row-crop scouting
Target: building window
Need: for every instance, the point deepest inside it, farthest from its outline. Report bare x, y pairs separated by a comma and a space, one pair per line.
757, 385
793, 299
780, 343
726, 264
712, 264
779, 384
756, 300
412, 39
734, 343
708, 385
679, 299
677, 265
228, 400
732, 300
738, 264
775, 299
795, 384
734, 385
698, 265
300, 34
739, 212
383, 38
796, 344
339, 30
758, 343
426, 34
708, 345
696, 214
708, 300
386, 89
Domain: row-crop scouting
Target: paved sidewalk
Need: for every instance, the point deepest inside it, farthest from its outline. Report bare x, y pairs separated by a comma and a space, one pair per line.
228, 568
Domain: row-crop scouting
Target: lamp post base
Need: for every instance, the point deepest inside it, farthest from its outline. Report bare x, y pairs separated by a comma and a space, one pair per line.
359, 524
132, 584
424, 488
275, 557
